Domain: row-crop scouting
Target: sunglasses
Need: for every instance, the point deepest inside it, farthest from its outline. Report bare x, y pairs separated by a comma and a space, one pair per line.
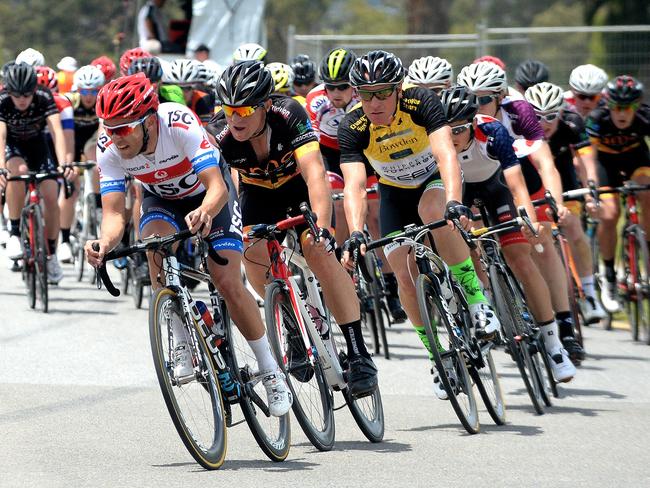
123, 130
582, 96
21, 95
241, 111
485, 99
340, 86
366, 95
548, 117
88, 91
459, 129
622, 108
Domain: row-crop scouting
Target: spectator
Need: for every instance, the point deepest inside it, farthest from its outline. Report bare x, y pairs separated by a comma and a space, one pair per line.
153, 28
67, 67
202, 53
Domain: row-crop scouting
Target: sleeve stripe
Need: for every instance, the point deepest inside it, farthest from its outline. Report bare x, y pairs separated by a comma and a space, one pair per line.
112, 186
307, 148
203, 165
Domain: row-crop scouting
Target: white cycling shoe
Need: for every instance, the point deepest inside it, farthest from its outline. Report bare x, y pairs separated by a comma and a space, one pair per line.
278, 393
484, 318
54, 271
592, 310
14, 249
64, 252
608, 296
438, 387
183, 368
563, 369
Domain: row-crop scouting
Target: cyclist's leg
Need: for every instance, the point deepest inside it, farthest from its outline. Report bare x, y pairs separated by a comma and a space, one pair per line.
610, 212
642, 177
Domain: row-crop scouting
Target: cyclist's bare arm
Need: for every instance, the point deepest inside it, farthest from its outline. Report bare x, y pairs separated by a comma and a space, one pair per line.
444, 153
542, 159
517, 185
586, 156
216, 196
113, 224
313, 171
355, 202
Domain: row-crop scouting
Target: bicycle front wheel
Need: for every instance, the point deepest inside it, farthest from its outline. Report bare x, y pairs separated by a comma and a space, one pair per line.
635, 255
29, 266
448, 354
40, 261
489, 385
312, 399
377, 292
195, 406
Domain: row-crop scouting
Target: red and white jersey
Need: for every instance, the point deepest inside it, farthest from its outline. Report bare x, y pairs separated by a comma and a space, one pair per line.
325, 117
66, 111
182, 152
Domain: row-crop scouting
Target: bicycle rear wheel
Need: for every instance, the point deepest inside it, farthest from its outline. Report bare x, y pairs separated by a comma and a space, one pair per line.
312, 399
448, 353
377, 293
272, 434
511, 315
635, 252
196, 407
29, 266
40, 261
489, 386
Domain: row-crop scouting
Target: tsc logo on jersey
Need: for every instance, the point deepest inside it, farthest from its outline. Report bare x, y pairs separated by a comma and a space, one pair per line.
161, 174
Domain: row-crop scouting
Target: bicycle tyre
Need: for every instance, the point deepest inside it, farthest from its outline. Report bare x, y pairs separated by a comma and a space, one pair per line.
492, 397
29, 266
286, 340
275, 442
572, 288
511, 319
377, 293
138, 293
40, 261
428, 299
638, 287
209, 456
546, 378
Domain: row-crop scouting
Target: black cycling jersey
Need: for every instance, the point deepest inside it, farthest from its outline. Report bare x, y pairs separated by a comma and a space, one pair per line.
289, 134
30, 123
570, 136
86, 124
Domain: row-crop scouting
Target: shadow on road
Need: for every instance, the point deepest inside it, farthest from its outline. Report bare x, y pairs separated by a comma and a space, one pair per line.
386, 446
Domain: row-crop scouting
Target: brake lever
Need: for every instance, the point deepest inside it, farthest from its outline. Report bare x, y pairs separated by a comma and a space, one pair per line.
523, 215
464, 234
594, 192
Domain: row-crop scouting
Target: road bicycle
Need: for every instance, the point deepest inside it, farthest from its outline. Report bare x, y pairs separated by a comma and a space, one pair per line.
87, 221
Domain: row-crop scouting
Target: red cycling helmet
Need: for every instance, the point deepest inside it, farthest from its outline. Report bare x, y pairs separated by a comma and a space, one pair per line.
128, 97
491, 59
128, 57
107, 66
46, 76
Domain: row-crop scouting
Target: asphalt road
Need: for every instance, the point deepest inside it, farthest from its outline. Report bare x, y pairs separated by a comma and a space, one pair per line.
80, 406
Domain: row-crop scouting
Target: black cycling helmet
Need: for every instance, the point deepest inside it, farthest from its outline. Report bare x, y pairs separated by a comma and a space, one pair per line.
458, 103
335, 66
245, 83
531, 72
304, 70
151, 67
19, 77
376, 68
624, 90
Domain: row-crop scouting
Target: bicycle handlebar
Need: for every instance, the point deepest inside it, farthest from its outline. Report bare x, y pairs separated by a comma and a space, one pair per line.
369, 191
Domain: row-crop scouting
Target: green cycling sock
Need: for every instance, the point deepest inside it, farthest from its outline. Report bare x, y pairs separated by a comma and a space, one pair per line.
465, 274
425, 340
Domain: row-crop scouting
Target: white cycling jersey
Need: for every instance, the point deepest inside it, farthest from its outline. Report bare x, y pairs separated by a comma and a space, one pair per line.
325, 117
182, 152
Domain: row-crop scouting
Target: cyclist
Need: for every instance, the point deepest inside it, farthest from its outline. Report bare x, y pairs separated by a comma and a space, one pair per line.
107, 66
564, 130
491, 59
587, 83
431, 72
283, 77
250, 51
25, 110
529, 73
402, 132
31, 57
617, 131
492, 172
488, 82
304, 70
153, 70
128, 56
186, 185
269, 141
326, 106
188, 74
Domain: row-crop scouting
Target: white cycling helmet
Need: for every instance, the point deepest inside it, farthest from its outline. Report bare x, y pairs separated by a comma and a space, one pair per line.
283, 76
31, 57
67, 63
213, 72
249, 52
186, 72
483, 76
430, 70
88, 77
545, 97
588, 79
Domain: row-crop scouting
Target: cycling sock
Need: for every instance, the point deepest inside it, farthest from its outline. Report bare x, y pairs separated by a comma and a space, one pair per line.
425, 340
354, 339
98, 200
65, 235
391, 284
262, 350
588, 286
610, 272
126, 234
565, 324
51, 246
14, 227
465, 274
551, 338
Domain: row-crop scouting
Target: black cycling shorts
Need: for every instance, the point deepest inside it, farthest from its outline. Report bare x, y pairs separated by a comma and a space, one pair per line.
614, 173
34, 151
226, 230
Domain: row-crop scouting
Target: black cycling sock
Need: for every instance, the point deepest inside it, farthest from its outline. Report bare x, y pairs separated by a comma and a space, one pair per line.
126, 235
65, 235
354, 339
14, 227
51, 246
391, 284
610, 272
98, 200
565, 324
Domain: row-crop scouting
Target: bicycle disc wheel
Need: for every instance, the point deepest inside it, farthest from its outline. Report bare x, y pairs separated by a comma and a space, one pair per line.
29, 267
40, 246
377, 292
196, 406
272, 434
489, 386
312, 399
511, 317
447, 354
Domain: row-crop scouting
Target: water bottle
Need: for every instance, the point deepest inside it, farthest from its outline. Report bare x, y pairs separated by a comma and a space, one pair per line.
319, 321
215, 326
